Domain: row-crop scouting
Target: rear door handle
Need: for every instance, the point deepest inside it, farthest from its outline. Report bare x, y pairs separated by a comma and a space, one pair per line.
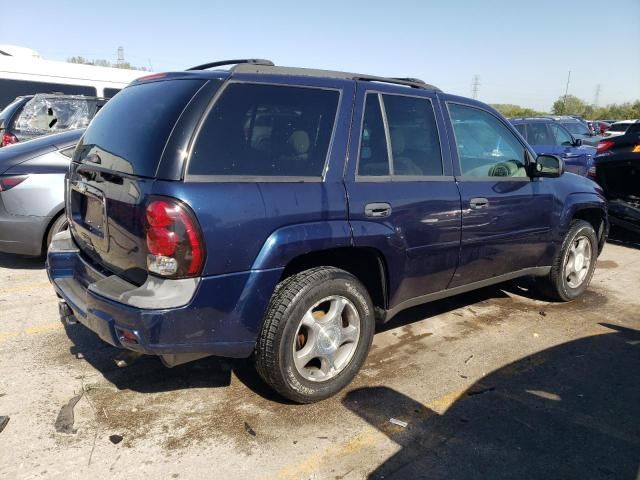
377, 210
478, 203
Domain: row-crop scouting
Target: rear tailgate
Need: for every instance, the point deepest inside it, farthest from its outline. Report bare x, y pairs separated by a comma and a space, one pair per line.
113, 171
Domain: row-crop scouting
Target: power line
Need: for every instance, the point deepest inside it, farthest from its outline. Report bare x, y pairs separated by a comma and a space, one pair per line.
475, 83
596, 97
566, 91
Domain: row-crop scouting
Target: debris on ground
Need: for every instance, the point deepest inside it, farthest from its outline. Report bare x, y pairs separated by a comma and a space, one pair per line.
400, 423
80, 355
469, 358
536, 335
249, 430
3, 422
65, 420
115, 439
543, 313
481, 390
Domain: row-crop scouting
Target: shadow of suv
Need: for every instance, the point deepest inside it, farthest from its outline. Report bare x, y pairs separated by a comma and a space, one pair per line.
279, 212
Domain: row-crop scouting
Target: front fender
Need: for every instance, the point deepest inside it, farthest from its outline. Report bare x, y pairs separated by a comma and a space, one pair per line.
576, 202
289, 242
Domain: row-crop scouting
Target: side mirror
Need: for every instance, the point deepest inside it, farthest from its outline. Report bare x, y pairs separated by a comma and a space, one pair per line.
548, 166
577, 142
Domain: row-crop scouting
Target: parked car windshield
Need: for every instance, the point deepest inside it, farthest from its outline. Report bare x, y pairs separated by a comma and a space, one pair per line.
576, 128
132, 129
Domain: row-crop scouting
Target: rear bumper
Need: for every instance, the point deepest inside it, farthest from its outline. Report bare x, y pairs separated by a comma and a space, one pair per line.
219, 315
20, 234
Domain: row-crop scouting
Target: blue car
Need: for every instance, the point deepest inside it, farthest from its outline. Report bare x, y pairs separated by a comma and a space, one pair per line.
278, 213
548, 136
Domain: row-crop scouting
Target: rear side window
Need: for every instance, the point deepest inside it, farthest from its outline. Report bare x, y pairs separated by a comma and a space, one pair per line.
374, 155
538, 134
413, 133
619, 127
131, 130
266, 131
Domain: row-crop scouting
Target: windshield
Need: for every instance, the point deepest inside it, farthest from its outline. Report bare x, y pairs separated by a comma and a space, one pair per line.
576, 128
619, 127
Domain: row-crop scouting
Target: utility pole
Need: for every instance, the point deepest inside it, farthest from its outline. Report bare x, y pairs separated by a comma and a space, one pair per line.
475, 83
566, 91
120, 56
596, 97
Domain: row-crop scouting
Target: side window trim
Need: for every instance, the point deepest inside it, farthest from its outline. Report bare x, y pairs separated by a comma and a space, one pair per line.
455, 145
188, 177
392, 177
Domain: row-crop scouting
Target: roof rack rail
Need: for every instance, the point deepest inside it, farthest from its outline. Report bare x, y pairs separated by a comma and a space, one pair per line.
410, 82
252, 61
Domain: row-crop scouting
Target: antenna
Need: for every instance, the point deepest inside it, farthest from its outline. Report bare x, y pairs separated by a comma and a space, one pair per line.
475, 83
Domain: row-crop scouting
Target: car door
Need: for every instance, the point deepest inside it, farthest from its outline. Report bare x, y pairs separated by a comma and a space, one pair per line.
575, 157
403, 200
506, 215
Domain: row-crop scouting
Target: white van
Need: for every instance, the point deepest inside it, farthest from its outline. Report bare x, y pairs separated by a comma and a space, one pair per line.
24, 72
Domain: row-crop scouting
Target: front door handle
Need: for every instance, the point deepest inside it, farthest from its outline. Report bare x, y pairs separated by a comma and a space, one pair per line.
478, 203
377, 210
570, 155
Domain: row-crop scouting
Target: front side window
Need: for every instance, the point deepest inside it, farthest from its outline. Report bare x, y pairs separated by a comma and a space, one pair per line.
521, 128
266, 131
576, 128
414, 136
486, 148
561, 136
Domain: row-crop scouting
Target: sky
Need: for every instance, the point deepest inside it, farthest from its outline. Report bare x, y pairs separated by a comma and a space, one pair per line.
521, 51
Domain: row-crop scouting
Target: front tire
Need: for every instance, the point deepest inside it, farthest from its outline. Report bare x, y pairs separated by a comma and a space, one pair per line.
574, 265
316, 335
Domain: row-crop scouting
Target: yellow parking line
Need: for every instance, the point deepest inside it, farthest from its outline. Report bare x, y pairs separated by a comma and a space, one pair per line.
37, 329
361, 441
24, 288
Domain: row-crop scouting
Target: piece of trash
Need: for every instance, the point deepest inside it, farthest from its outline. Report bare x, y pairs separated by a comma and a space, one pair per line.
481, 390
115, 439
400, 423
463, 376
295, 442
536, 335
80, 355
543, 313
134, 410
64, 422
3, 422
467, 360
249, 430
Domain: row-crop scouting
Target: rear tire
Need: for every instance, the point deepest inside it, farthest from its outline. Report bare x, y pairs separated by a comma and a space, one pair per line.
59, 225
574, 264
316, 335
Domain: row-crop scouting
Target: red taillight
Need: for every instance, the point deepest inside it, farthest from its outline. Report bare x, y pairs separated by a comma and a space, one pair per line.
604, 145
7, 183
8, 139
174, 243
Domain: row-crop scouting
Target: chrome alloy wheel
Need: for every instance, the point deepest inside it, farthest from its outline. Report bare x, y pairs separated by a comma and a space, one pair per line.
326, 338
578, 262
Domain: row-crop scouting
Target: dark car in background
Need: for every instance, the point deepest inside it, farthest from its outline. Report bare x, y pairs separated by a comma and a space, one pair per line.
617, 170
619, 128
578, 128
277, 213
32, 191
547, 136
32, 116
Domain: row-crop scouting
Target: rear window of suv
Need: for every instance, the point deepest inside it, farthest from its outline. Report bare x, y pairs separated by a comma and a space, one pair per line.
131, 130
259, 130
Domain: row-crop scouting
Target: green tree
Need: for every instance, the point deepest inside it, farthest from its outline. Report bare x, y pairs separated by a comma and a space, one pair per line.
104, 63
509, 110
571, 105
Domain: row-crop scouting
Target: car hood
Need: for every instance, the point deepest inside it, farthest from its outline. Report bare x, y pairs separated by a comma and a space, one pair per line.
16, 154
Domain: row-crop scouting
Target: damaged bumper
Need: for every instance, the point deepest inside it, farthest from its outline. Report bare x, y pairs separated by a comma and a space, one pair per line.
179, 320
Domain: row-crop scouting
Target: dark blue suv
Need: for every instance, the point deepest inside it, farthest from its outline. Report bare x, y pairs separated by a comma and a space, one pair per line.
548, 136
279, 212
